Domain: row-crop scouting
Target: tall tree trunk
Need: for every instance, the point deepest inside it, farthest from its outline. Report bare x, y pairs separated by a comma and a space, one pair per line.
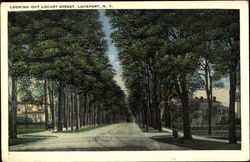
159, 119
208, 82
72, 112
98, 114
51, 98
104, 117
77, 110
13, 132
155, 101
232, 134
149, 111
142, 113
85, 110
186, 109
10, 105
167, 113
92, 113
46, 105
183, 95
80, 110
60, 108
66, 109
89, 109
146, 111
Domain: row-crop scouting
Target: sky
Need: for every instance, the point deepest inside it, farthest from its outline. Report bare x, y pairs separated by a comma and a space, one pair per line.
112, 51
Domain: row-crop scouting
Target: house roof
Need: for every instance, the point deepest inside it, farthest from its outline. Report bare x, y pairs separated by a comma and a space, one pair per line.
34, 112
30, 103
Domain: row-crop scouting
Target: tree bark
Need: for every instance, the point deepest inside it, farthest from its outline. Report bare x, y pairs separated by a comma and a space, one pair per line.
66, 107
46, 105
157, 122
98, 114
60, 108
77, 111
89, 109
149, 111
232, 92
85, 110
80, 110
13, 132
72, 112
51, 98
183, 95
95, 113
167, 113
208, 82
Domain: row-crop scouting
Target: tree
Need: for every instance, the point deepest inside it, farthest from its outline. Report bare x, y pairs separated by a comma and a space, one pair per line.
227, 42
67, 51
17, 65
140, 41
158, 50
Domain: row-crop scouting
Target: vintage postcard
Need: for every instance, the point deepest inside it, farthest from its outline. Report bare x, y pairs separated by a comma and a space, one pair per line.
125, 81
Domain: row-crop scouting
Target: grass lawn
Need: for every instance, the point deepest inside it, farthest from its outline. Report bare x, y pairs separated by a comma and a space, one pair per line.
31, 128
215, 127
197, 144
83, 129
150, 129
223, 138
92, 127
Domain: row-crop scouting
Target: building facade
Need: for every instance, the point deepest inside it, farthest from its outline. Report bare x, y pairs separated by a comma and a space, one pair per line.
32, 110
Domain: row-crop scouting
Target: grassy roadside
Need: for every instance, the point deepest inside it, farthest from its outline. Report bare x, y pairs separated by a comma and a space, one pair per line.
31, 128
92, 127
150, 129
83, 129
197, 144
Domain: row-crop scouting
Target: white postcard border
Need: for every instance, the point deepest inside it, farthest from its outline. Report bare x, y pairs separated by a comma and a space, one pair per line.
133, 155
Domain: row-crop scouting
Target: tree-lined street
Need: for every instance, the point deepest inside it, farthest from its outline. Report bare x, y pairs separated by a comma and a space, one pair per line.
61, 72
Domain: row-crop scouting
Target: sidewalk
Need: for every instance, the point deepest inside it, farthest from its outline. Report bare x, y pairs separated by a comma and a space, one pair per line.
199, 137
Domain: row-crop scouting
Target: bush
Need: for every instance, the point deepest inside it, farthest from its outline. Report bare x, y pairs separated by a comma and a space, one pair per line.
22, 120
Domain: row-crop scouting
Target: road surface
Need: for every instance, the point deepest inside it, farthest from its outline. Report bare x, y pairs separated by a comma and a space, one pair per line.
116, 137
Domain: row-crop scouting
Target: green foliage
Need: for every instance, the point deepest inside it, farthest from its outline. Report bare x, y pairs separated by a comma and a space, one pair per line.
162, 51
24, 91
62, 46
